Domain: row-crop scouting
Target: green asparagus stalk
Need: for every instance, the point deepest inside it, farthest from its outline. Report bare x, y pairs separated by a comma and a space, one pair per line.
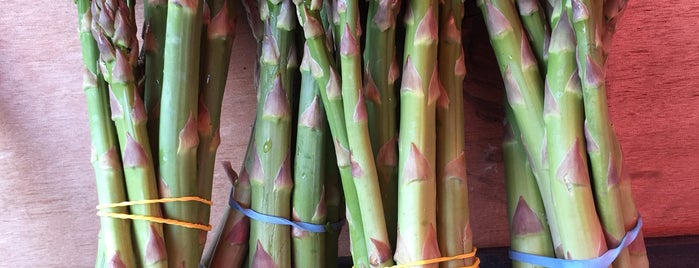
272, 185
114, 30
611, 186
420, 90
356, 123
309, 168
218, 43
579, 227
154, 48
231, 243
534, 21
99, 261
333, 202
323, 71
178, 129
380, 74
524, 90
115, 234
529, 231
453, 227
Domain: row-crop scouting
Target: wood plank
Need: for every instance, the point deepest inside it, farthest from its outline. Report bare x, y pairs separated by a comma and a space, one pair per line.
47, 192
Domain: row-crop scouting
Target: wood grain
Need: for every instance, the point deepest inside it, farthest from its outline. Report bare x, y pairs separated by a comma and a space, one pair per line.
47, 192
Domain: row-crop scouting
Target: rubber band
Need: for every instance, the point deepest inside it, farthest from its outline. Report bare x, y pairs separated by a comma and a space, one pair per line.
472, 254
152, 218
602, 261
311, 227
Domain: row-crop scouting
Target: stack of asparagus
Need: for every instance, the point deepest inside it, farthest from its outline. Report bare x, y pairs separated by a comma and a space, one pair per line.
568, 193
154, 122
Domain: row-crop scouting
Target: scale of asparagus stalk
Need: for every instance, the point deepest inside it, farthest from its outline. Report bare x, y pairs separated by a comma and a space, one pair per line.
115, 234
529, 230
333, 201
178, 129
524, 90
115, 32
535, 23
153, 46
380, 74
323, 71
611, 186
216, 50
578, 225
271, 184
230, 246
361, 155
420, 90
453, 227
309, 169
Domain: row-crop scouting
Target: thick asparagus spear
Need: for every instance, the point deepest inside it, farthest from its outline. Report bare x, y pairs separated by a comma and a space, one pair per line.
322, 69
534, 21
154, 48
271, 187
113, 26
178, 129
309, 197
380, 74
578, 225
218, 42
420, 90
529, 230
524, 90
453, 227
361, 154
611, 187
115, 234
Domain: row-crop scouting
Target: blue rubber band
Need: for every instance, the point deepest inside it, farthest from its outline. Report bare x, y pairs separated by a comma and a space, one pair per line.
314, 228
602, 261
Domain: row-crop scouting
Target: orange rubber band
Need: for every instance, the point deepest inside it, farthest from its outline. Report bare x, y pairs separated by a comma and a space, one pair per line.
156, 219
472, 254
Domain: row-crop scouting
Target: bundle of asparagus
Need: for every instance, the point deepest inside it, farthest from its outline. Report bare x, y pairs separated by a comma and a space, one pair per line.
182, 82
560, 204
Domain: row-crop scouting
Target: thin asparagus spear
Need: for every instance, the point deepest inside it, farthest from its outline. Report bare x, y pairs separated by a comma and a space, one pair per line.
154, 48
309, 198
322, 69
361, 155
524, 90
420, 90
380, 75
529, 230
178, 129
115, 234
612, 190
538, 32
579, 227
231, 243
99, 260
114, 29
212, 83
271, 187
453, 228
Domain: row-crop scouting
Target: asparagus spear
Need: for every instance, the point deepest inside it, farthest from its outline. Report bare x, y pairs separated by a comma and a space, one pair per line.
534, 21
212, 83
420, 89
579, 227
115, 234
524, 90
333, 201
309, 198
178, 129
529, 231
380, 75
271, 187
114, 30
611, 187
323, 71
361, 155
154, 46
453, 228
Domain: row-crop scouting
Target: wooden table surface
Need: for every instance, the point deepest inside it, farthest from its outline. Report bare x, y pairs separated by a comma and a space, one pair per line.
47, 189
